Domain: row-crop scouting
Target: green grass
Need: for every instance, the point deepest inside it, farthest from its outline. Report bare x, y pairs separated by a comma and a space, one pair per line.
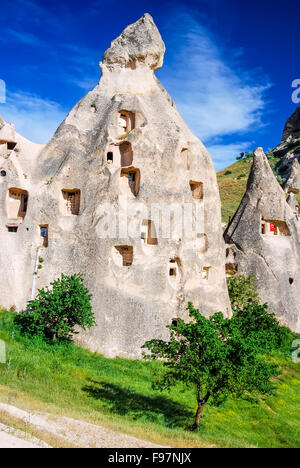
117, 393
233, 186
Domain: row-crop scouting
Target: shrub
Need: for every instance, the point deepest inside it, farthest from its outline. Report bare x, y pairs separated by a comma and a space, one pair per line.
242, 291
56, 311
255, 323
211, 356
228, 173
241, 156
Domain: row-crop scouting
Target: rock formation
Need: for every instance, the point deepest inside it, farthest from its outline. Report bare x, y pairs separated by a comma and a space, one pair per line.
289, 152
264, 240
292, 127
124, 144
2, 123
293, 204
293, 182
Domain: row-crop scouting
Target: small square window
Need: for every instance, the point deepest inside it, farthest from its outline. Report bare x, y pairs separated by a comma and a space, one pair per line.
110, 157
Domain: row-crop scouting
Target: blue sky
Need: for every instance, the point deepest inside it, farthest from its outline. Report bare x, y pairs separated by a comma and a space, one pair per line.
229, 64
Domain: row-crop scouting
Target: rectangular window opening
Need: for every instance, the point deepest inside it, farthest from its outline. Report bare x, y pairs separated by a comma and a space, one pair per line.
44, 235
127, 254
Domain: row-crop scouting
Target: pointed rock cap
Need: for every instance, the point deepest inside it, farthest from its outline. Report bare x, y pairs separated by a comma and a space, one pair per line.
7, 133
139, 44
292, 126
261, 174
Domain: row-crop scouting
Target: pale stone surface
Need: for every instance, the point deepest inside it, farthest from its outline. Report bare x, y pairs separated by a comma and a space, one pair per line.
273, 259
292, 202
293, 182
128, 107
14, 438
140, 44
8, 441
7, 133
2, 122
68, 431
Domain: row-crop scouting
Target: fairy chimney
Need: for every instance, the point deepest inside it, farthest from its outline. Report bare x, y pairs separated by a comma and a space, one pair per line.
116, 193
265, 232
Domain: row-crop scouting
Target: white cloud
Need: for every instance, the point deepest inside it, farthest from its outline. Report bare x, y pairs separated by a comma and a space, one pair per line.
35, 118
227, 153
23, 37
215, 96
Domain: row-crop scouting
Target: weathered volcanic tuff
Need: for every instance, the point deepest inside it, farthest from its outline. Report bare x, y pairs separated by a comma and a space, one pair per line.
293, 203
125, 138
293, 182
289, 152
265, 236
292, 126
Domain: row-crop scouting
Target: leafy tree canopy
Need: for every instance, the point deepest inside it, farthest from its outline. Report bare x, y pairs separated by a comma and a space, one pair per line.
242, 291
57, 310
210, 355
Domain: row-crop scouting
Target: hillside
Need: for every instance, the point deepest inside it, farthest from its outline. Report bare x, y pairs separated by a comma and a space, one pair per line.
117, 394
232, 183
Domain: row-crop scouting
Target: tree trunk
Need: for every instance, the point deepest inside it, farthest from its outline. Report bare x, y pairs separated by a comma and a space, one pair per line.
200, 408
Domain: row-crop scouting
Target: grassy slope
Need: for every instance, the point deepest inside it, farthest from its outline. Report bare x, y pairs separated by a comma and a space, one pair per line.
233, 186
117, 393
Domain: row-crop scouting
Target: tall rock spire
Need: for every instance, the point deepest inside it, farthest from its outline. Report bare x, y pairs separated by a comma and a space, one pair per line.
265, 234
122, 163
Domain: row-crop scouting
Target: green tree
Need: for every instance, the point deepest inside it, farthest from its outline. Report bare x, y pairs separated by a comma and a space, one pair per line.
57, 310
210, 355
242, 291
255, 323
241, 156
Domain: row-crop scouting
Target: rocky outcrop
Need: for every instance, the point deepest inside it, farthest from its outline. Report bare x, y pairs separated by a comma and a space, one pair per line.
139, 45
292, 127
264, 235
2, 122
122, 156
289, 153
293, 203
293, 182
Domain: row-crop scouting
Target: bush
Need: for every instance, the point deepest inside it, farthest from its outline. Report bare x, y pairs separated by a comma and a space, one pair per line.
211, 356
242, 291
228, 173
56, 311
255, 323
245, 156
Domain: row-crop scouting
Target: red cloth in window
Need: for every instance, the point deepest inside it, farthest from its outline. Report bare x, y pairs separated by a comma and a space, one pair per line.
272, 227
